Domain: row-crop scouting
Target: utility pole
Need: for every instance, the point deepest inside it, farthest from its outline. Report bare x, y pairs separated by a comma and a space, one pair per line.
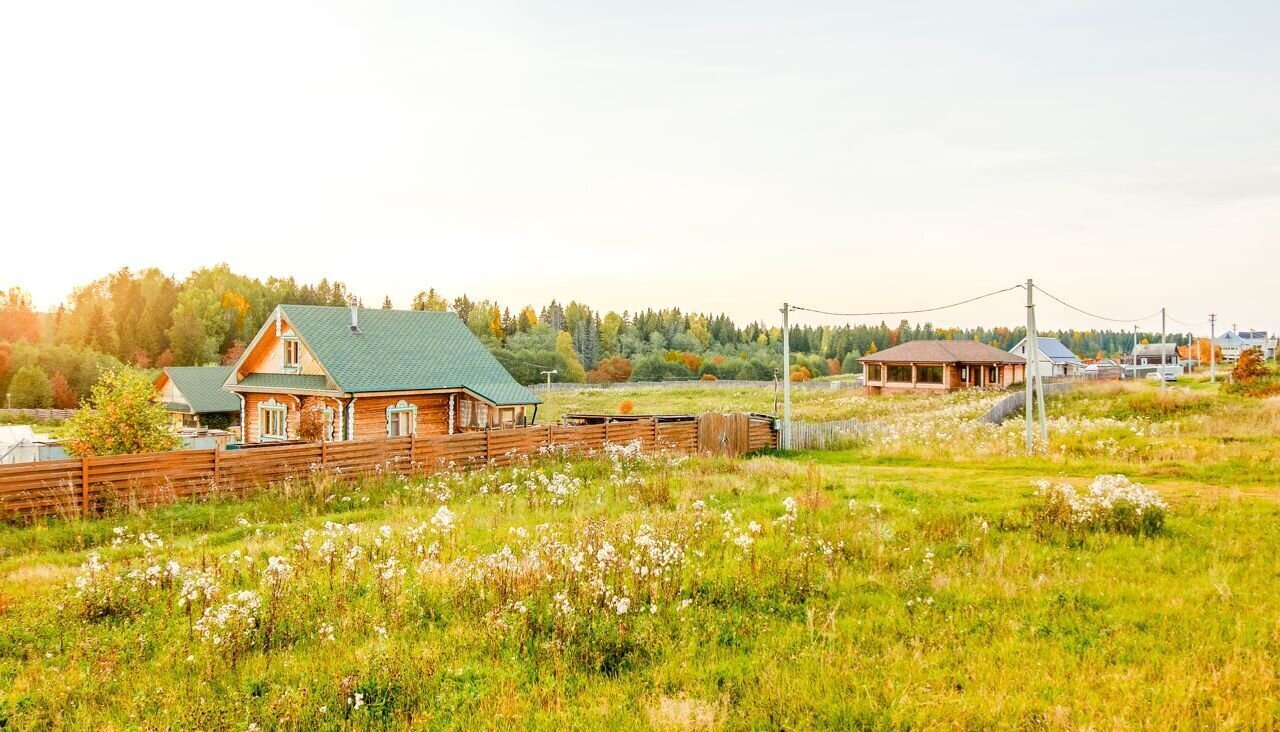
1134, 354
1026, 374
1044, 423
548, 375
1162, 347
1213, 346
786, 376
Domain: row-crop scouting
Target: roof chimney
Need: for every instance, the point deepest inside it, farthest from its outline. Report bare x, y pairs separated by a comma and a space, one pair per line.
354, 304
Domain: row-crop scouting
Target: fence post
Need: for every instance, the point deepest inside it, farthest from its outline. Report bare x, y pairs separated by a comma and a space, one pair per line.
605, 441
488, 445
654, 423
84, 486
217, 469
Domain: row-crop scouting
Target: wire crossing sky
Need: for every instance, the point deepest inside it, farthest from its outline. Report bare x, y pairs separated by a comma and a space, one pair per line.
719, 157
993, 293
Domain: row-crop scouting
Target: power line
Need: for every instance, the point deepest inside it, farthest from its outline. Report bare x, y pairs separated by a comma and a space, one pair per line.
1189, 325
909, 312
1095, 315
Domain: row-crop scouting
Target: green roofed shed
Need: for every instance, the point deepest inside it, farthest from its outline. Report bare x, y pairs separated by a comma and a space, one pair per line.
200, 388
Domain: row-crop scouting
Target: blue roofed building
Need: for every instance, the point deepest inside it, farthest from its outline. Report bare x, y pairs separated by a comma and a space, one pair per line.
1056, 360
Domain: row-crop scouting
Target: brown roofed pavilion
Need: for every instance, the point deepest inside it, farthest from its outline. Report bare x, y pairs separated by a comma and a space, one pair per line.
941, 366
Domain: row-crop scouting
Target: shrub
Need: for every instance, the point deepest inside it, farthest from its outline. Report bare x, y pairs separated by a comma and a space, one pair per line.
63, 396
657, 368
1249, 366
1257, 388
612, 369
1251, 378
123, 417
1111, 503
626, 406
31, 389
311, 423
754, 370
729, 369
217, 420
708, 377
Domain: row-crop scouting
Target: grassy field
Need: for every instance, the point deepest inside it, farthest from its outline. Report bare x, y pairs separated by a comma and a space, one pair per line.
908, 581
814, 405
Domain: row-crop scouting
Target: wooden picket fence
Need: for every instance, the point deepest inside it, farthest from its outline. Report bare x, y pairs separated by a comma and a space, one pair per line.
1016, 402
39, 415
827, 435
91, 485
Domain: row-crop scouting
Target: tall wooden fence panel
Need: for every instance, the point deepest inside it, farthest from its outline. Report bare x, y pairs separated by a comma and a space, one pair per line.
86, 486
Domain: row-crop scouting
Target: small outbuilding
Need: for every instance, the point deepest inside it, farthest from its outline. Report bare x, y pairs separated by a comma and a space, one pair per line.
941, 366
194, 396
1103, 369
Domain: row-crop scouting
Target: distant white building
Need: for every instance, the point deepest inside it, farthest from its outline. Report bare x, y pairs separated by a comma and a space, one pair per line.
1232, 343
1055, 358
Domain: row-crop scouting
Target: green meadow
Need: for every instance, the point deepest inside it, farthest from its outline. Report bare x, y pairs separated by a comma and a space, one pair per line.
910, 580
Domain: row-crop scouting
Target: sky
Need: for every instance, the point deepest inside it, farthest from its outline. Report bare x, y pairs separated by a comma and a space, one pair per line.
719, 157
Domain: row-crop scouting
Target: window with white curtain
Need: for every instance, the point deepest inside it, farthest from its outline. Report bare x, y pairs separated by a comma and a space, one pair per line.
273, 421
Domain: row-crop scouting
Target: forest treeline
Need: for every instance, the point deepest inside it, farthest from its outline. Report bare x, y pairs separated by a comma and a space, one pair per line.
148, 320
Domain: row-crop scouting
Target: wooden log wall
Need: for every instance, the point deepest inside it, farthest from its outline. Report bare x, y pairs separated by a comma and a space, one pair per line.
88, 486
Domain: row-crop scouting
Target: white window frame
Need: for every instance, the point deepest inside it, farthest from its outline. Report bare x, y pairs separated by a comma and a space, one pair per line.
393, 416
273, 407
287, 343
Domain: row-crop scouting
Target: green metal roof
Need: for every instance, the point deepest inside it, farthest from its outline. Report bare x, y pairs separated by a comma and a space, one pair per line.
202, 388
310, 382
403, 350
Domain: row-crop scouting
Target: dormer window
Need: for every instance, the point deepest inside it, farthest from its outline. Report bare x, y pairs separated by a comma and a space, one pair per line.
291, 352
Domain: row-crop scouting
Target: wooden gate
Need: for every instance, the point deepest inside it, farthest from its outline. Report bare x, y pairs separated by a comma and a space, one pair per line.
724, 434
